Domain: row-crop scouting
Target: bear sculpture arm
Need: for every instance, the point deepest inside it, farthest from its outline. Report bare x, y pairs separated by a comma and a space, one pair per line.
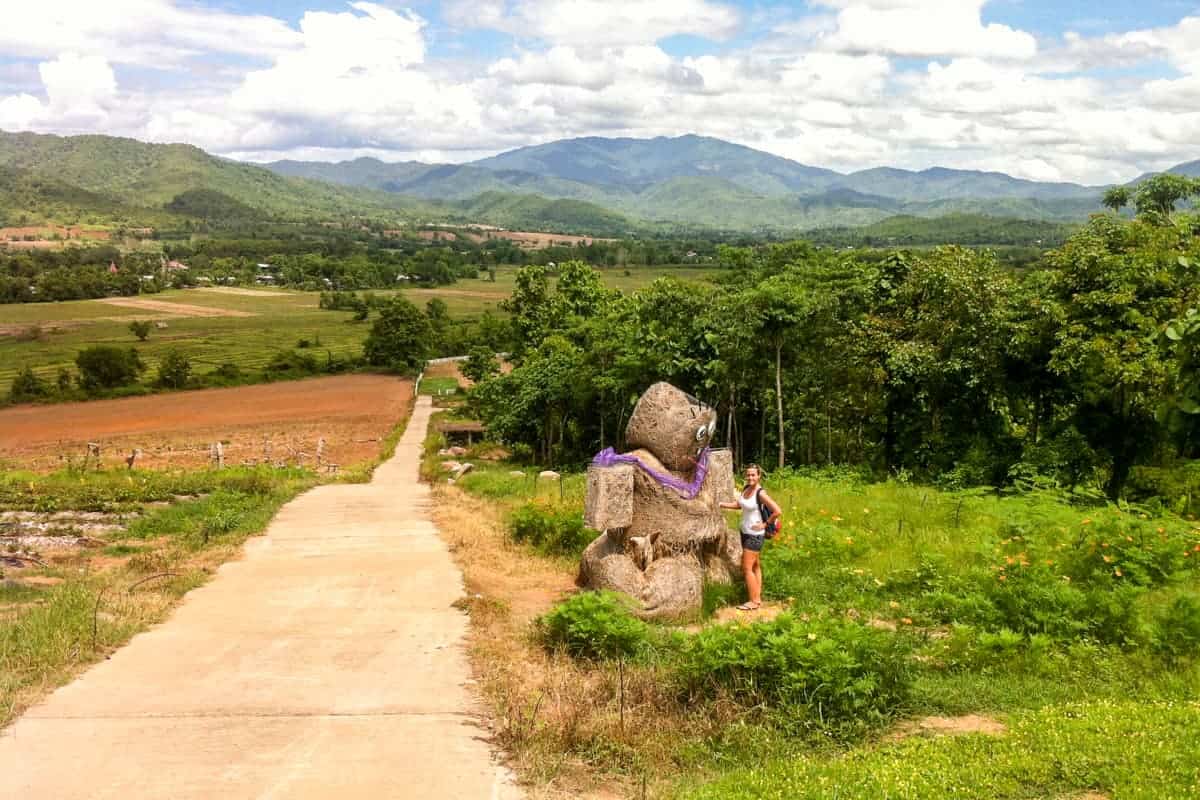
609, 503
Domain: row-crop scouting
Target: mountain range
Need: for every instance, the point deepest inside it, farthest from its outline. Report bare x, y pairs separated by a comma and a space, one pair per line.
707, 182
595, 185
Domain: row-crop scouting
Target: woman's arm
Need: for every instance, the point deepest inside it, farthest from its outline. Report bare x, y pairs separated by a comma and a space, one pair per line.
732, 506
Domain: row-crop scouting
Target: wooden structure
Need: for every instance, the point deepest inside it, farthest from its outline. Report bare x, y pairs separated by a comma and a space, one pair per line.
460, 431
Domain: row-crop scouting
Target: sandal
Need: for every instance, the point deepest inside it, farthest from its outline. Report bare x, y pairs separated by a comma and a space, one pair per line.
749, 607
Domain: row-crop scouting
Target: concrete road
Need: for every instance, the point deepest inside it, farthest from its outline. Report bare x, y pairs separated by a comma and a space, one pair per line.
326, 663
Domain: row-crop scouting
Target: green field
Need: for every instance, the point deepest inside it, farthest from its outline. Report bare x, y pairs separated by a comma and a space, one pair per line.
280, 321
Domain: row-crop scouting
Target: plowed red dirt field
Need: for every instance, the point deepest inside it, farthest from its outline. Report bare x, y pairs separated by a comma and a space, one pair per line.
275, 422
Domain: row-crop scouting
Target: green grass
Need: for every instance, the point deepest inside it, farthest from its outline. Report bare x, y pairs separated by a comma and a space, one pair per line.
439, 385
280, 322
1043, 611
1124, 750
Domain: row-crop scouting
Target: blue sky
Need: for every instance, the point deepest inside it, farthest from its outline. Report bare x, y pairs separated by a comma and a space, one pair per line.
1081, 91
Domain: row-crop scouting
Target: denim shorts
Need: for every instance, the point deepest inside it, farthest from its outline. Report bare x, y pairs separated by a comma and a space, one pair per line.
752, 543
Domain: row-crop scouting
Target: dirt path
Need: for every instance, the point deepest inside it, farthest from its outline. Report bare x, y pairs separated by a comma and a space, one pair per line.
174, 309
326, 663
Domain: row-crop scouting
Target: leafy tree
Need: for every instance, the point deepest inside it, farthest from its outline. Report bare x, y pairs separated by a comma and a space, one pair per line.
932, 343
107, 367
438, 314
1157, 196
140, 328
175, 369
1117, 283
27, 386
480, 364
781, 307
530, 307
1117, 198
545, 399
400, 338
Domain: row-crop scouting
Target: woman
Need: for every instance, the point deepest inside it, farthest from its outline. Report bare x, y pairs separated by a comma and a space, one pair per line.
752, 501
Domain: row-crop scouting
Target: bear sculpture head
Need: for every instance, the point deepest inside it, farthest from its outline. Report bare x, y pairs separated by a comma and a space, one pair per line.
672, 425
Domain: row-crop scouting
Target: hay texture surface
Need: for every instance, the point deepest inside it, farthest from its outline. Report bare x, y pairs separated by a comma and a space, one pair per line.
657, 545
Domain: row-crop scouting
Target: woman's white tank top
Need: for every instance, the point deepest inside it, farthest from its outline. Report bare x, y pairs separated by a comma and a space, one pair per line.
750, 513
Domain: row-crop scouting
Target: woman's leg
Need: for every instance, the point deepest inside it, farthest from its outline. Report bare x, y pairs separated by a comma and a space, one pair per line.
753, 576
758, 579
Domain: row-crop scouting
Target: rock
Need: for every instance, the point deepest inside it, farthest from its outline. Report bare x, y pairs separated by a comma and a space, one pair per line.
463, 469
450, 466
548, 475
516, 473
456, 451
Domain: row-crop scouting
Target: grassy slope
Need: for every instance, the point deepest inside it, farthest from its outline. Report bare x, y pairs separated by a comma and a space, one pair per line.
1081, 716
135, 174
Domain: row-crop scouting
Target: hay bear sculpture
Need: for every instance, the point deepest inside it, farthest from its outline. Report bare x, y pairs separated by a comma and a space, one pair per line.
662, 531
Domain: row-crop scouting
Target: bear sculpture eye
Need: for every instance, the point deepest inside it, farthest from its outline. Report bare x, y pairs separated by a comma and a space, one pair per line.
701, 432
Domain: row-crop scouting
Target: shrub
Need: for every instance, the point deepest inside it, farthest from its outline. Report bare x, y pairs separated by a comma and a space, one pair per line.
1177, 628
140, 328
552, 529
175, 369
1128, 550
290, 362
27, 386
596, 625
836, 675
107, 367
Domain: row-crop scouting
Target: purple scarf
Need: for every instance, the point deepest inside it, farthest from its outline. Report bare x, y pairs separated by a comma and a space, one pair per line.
608, 457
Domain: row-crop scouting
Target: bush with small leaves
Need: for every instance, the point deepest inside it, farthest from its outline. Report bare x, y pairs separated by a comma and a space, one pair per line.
107, 367
175, 369
595, 625
141, 329
27, 386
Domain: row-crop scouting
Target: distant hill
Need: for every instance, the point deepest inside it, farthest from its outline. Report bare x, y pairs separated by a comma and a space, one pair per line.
704, 182
967, 229
939, 183
1191, 169
590, 185
635, 163
124, 177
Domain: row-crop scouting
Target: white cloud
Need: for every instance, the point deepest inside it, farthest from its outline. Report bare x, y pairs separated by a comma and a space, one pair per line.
20, 112
826, 87
595, 23
149, 33
923, 28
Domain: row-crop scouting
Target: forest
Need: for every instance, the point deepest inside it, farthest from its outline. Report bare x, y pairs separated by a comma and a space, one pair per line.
942, 364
